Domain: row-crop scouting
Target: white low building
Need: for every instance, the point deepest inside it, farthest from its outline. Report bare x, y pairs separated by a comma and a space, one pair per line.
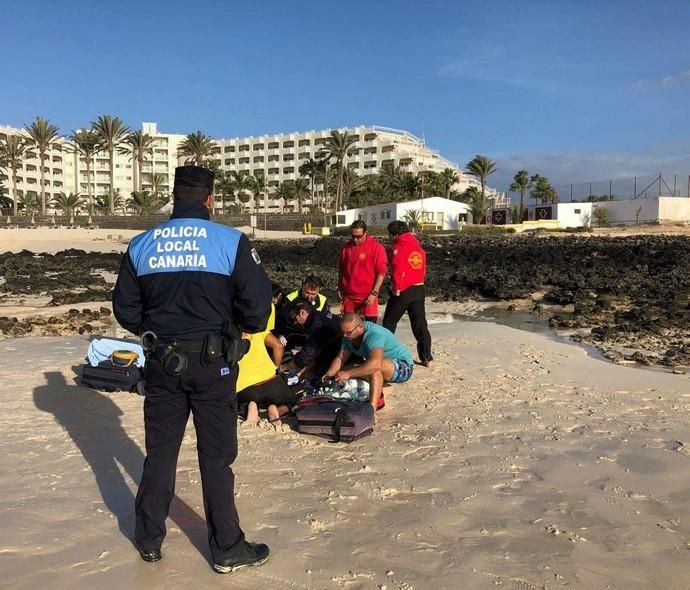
436, 212
563, 215
624, 212
647, 210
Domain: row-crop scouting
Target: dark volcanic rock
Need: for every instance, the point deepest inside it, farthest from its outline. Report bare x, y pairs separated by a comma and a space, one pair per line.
630, 291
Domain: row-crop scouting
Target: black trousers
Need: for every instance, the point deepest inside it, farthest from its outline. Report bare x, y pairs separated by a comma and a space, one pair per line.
411, 300
209, 393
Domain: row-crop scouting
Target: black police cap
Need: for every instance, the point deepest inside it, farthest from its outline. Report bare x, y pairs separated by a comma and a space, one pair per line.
194, 177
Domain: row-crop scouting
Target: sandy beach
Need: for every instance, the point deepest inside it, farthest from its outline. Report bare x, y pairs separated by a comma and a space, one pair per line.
515, 461
45, 239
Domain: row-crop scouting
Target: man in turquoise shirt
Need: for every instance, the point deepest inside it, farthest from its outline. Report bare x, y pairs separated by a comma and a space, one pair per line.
385, 358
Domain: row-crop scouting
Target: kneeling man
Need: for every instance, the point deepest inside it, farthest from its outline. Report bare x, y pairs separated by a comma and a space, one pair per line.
385, 358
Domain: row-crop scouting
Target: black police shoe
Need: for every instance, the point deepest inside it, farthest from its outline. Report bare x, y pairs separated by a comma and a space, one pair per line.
252, 554
150, 555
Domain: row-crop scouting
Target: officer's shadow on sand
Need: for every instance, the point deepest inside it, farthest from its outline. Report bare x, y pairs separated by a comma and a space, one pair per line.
93, 422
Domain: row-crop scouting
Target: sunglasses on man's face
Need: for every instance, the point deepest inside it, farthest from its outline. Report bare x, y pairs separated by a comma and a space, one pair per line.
350, 332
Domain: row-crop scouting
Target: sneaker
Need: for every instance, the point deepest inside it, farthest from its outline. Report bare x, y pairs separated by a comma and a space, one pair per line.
253, 554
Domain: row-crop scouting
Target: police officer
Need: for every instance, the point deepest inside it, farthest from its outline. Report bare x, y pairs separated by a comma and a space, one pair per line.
184, 283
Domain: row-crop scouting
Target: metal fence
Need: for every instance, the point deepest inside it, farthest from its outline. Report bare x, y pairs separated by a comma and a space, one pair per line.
659, 185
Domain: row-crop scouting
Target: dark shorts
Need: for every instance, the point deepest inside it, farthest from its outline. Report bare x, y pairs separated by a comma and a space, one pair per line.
402, 372
274, 391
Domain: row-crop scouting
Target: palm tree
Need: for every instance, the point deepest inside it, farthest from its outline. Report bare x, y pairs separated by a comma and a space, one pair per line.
352, 184
196, 148
521, 182
85, 143
542, 190
159, 181
224, 188
390, 177
42, 135
477, 202
300, 190
28, 203
145, 202
111, 132
12, 152
336, 147
141, 145
258, 186
322, 177
240, 184
446, 179
310, 169
285, 191
5, 201
481, 167
68, 204
105, 204
413, 218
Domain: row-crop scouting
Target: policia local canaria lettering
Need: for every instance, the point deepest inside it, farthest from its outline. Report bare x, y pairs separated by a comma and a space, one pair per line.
172, 242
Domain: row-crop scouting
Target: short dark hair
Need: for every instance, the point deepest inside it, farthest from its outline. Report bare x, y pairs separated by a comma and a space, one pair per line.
312, 281
395, 228
359, 224
300, 305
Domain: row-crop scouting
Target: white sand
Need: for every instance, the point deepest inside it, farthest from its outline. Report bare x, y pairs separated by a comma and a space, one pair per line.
515, 461
44, 239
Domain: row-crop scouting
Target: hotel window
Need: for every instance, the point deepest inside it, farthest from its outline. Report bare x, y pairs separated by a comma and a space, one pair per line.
274, 145
229, 161
229, 148
289, 170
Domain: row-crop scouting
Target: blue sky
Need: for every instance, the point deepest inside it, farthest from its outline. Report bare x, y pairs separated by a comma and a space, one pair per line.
573, 89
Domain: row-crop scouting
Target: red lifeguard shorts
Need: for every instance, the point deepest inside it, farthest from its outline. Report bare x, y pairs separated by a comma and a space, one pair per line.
359, 306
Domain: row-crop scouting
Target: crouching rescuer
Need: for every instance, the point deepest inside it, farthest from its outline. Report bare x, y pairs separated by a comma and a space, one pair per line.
190, 287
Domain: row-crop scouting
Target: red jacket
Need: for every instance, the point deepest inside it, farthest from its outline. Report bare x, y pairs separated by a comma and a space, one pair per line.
408, 263
359, 266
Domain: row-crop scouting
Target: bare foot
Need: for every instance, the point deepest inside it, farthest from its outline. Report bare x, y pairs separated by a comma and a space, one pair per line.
273, 415
252, 413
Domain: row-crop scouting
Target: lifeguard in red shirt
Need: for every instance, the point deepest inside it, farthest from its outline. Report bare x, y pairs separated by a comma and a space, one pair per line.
362, 266
408, 270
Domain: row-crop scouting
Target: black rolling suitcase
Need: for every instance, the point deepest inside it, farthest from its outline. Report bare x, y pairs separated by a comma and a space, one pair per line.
109, 377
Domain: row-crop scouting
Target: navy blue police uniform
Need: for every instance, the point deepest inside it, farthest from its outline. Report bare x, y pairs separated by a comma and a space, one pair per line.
183, 280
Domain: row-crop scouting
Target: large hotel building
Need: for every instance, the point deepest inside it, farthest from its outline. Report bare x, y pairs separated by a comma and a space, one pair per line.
278, 156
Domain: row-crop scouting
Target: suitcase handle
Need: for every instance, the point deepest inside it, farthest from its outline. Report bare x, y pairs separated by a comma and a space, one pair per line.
340, 418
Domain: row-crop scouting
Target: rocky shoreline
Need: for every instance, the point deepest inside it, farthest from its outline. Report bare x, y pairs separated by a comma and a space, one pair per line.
628, 296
